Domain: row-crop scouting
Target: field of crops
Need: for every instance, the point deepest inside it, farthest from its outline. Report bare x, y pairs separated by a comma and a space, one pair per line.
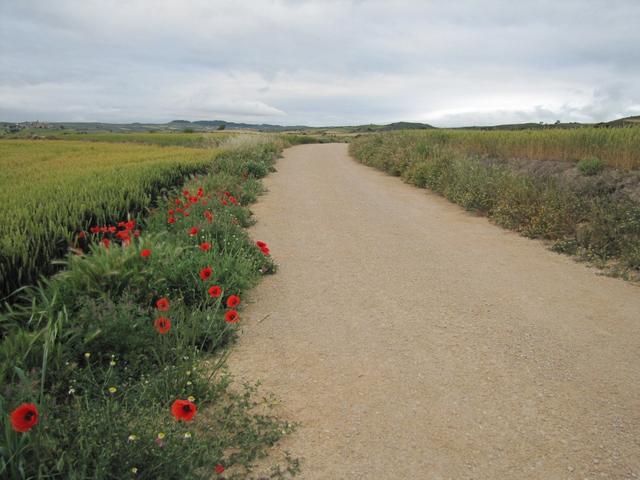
616, 147
199, 140
50, 189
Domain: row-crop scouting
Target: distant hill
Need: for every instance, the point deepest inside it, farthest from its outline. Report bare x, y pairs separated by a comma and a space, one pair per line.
213, 125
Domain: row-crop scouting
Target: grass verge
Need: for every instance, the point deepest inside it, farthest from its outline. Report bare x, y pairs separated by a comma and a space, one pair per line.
116, 360
590, 217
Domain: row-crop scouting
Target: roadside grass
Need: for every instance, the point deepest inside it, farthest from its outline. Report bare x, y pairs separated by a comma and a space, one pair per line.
591, 218
615, 147
92, 347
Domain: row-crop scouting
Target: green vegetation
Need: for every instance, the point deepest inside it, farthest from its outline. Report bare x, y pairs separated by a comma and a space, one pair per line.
616, 147
590, 166
196, 140
83, 349
49, 190
594, 217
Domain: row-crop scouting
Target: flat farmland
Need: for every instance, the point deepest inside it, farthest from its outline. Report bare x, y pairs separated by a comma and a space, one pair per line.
51, 189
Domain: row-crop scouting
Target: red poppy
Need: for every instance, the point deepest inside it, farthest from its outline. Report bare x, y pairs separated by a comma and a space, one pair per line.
112, 229
261, 244
205, 273
215, 291
145, 253
104, 229
227, 194
208, 215
94, 230
171, 220
163, 304
123, 234
136, 233
183, 410
121, 224
194, 231
171, 212
233, 301
231, 316
162, 325
178, 201
224, 202
200, 192
131, 224
233, 200
24, 417
205, 246
193, 199
81, 234
106, 242
186, 214
265, 250
185, 193
219, 469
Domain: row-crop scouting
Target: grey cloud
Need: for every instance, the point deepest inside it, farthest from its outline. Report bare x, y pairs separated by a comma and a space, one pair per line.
319, 62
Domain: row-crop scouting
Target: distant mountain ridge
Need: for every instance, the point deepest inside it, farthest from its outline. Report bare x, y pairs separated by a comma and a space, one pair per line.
213, 125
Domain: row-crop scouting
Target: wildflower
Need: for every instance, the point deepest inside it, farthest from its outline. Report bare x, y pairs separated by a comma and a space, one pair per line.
131, 224
112, 390
205, 246
263, 247
163, 304
136, 233
233, 301
171, 220
161, 435
106, 242
112, 229
261, 244
194, 231
208, 215
219, 469
81, 234
171, 211
112, 363
145, 253
205, 273
87, 354
132, 438
187, 435
231, 316
94, 230
191, 398
188, 384
24, 417
183, 410
72, 391
178, 201
193, 199
134, 470
162, 325
233, 200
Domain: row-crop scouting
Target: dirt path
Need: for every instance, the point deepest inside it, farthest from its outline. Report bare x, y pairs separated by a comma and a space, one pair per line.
414, 340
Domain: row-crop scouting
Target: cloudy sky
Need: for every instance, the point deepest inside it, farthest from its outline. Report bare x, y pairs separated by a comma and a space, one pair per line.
331, 62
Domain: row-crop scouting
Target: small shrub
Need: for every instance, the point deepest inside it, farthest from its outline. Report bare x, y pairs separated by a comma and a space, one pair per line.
590, 166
